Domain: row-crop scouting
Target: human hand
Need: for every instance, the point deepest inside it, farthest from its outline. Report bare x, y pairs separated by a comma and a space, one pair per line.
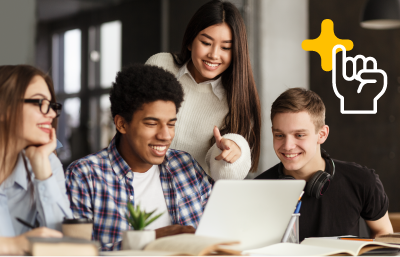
39, 157
20, 244
43, 232
358, 77
174, 230
230, 150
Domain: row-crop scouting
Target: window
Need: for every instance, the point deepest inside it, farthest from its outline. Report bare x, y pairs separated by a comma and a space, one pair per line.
86, 124
110, 49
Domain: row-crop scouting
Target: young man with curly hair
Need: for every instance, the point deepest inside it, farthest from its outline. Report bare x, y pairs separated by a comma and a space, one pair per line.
138, 165
337, 193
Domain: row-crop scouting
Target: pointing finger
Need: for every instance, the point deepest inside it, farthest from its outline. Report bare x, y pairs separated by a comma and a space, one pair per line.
217, 136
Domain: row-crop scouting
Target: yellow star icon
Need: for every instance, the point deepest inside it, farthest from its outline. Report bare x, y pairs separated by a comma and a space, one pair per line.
324, 44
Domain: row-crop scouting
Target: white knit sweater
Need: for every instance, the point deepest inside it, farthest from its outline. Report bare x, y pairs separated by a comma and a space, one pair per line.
201, 110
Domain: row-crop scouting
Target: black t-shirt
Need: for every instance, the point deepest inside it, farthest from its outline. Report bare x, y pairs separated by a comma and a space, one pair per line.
353, 192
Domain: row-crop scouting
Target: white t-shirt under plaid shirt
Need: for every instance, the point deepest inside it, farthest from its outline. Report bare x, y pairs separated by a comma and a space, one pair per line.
100, 185
149, 195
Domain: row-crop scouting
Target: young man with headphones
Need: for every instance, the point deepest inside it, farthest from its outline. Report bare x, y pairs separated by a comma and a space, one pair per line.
337, 193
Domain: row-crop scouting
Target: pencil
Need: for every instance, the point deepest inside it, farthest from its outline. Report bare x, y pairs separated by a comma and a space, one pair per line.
25, 223
357, 239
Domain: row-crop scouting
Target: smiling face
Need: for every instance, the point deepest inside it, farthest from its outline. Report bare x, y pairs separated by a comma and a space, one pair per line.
211, 52
297, 144
36, 126
146, 139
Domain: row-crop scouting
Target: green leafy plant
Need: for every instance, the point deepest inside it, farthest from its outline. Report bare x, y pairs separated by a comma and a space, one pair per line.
139, 219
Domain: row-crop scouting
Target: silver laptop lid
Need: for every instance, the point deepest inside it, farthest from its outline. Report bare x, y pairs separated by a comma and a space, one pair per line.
256, 212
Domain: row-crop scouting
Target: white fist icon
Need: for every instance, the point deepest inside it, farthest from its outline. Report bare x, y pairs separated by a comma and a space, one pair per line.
357, 76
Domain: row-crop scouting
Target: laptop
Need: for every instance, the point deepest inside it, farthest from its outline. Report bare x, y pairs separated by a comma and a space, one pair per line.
255, 212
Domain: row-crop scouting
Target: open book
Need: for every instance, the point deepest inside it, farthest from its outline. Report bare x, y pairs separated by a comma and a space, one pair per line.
183, 244
322, 247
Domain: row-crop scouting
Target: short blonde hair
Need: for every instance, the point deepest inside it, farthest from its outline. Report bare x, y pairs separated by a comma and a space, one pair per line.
297, 100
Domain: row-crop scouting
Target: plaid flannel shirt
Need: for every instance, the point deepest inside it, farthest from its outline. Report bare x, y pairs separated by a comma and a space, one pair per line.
100, 185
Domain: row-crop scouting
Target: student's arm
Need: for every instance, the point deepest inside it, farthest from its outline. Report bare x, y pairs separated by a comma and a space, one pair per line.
163, 60
49, 184
205, 183
13, 245
220, 169
78, 190
174, 230
375, 210
380, 227
52, 202
19, 245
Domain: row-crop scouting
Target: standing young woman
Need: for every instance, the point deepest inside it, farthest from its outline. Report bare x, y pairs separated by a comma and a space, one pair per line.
220, 93
32, 184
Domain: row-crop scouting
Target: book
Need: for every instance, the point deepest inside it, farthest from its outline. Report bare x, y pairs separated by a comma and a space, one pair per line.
393, 238
183, 244
322, 247
41, 246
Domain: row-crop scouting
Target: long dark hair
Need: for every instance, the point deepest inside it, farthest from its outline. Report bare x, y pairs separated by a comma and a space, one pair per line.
14, 80
244, 116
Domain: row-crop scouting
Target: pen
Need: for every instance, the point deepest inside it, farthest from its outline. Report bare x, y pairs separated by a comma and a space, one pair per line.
298, 207
25, 223
301, 195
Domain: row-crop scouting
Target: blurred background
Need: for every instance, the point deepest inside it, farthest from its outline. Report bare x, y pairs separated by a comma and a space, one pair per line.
83, 43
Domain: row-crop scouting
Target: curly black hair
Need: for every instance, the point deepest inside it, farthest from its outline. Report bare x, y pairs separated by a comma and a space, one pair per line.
138, 84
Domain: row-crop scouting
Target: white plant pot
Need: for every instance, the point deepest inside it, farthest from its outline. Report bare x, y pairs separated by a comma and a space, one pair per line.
137, 239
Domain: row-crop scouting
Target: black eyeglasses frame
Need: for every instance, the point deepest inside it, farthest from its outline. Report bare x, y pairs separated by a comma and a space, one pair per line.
57, 107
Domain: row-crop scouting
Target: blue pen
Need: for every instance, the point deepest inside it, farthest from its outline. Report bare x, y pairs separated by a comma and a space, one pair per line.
298, 207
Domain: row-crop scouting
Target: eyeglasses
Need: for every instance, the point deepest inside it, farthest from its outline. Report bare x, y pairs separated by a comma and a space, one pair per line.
45, 105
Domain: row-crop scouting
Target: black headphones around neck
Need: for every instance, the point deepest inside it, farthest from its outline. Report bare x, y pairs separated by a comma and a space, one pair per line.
320, 181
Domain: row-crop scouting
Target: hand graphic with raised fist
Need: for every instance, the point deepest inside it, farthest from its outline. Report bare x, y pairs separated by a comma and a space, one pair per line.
357, 76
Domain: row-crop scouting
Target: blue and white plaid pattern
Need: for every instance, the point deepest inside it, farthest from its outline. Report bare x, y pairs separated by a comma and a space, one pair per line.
100, 185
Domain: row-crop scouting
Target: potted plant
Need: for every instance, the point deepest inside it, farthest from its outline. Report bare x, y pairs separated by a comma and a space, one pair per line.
138, 219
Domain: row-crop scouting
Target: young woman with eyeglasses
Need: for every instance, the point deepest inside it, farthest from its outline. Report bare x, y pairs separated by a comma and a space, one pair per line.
221, 98
32, 184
